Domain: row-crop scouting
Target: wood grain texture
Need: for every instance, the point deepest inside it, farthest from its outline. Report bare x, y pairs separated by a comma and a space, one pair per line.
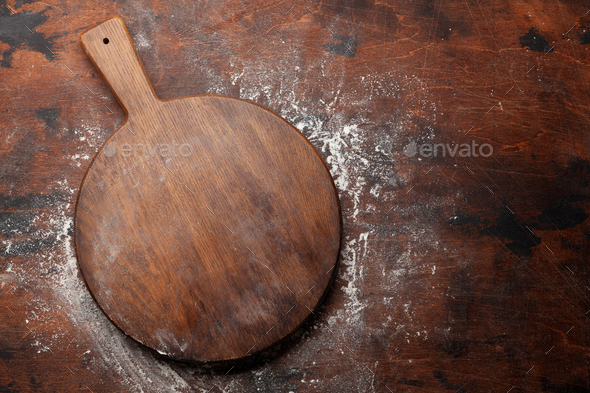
207, 228
439, 288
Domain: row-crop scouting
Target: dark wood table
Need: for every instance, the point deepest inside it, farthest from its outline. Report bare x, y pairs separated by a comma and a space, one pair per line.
457, 134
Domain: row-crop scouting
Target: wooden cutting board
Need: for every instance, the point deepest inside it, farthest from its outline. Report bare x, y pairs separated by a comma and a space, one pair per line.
207, 227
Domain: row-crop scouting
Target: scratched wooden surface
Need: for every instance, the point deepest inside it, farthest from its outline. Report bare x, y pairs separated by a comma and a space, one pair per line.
465, 272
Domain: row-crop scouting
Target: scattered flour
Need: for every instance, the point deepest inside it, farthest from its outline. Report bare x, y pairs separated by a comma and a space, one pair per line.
141, 41
110, 348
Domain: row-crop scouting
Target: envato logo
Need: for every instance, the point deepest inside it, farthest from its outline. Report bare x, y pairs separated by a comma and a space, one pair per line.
140, 150
441, 149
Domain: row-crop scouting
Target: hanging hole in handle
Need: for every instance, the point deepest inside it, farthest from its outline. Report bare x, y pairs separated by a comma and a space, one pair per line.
106, 40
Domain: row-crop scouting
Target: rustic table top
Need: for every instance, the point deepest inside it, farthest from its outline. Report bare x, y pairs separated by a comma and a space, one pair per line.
457, 135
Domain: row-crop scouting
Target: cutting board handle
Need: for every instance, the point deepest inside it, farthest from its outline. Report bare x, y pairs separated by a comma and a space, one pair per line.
111, 49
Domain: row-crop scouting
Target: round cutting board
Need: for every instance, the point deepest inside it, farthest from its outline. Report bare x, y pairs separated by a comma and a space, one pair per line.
207, 227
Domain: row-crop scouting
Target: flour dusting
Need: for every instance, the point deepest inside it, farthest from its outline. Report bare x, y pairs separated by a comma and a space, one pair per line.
108, 345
